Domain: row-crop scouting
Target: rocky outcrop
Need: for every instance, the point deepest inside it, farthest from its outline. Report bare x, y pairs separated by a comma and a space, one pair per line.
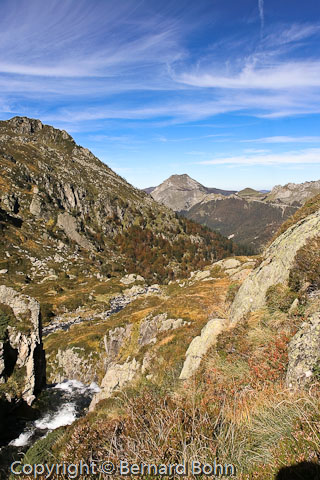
71, 364
151, 326
116, 377
304, 354
22, 362
131, 278
293, 193
24, 125
278, 260
114, 340
200, 345
69, 224
37, 203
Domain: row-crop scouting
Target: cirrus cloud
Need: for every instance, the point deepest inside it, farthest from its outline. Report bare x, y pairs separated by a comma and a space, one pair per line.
302, 157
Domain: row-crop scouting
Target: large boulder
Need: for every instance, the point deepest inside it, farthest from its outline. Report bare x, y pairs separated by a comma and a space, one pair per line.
200, 345
278, 259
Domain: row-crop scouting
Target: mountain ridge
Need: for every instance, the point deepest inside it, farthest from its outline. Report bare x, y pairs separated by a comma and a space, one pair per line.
248, 216
60, 191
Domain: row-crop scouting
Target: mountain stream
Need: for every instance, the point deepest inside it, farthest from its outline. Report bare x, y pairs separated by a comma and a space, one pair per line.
58, 405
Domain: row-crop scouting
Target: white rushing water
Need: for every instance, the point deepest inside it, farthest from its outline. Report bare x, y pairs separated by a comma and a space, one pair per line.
66, 415
22, 440
69, 399
76, 386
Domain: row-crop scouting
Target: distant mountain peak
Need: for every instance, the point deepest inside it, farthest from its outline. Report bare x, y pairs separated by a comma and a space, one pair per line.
183, 181
181, 192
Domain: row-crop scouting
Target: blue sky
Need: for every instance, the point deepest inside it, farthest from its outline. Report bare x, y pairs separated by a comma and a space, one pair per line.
226, 91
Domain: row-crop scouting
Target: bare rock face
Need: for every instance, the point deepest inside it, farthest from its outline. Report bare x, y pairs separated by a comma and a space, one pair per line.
200, 345
179, 192
36, 206
69, 224
72, 365
304, 354
22, 361
151, 326
114, 340
278, 261
116, 377
294, 194
24, 125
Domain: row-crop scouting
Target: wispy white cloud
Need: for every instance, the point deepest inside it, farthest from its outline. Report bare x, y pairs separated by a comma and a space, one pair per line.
289, 36
256, 150
181, 110
261, 13
273, 76
284, 139
305, 157
85, 39
80, 61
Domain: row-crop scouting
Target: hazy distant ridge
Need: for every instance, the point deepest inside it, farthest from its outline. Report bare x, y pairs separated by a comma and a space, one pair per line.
247, 216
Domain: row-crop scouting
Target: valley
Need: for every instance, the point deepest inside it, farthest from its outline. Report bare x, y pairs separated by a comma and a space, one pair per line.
248, 216
181, 343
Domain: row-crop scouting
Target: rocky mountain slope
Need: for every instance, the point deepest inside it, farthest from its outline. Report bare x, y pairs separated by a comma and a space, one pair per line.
70, 230
248, 216
57, 196
293, 193
224, 355
188, 367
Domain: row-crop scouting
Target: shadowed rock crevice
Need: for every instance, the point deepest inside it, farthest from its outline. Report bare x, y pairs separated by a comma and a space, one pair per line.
10, 356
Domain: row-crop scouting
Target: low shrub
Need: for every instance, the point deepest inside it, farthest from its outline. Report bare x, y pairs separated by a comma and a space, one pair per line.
280, 297
306, 268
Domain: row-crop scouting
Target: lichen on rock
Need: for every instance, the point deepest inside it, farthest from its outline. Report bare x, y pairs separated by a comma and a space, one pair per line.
279, 258
304, 353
